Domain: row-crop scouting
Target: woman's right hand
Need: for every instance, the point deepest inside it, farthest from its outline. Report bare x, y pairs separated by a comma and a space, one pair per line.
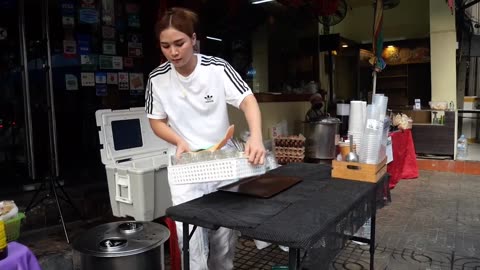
182, 147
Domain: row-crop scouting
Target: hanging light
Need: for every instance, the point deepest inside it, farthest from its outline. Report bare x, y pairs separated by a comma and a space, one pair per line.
256, 2
213, 38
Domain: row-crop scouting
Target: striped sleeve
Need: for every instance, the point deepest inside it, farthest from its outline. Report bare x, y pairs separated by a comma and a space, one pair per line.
236, 89
153, 106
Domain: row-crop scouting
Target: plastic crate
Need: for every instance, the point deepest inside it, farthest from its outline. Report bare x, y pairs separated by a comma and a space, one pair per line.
213, 170
12, 227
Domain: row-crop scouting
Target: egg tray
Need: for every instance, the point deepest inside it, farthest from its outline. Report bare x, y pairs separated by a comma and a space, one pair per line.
289, 141
286, 160
290, 151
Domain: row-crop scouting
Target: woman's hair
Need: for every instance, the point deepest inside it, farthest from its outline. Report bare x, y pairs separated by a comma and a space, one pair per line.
182, 19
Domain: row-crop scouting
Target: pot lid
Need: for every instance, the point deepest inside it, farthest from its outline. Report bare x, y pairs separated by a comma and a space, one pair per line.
330, 120
121, 238
327, 120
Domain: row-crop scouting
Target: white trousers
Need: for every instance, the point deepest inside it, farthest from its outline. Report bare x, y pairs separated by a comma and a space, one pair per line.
209, 249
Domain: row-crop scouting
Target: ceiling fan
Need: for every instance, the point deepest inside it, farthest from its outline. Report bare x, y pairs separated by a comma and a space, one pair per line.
329, 17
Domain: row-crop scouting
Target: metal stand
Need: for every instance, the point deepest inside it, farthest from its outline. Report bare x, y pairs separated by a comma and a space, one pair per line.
50, 186
50, 183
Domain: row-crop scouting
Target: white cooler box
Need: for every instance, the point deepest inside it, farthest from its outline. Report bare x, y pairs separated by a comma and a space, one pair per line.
136, 163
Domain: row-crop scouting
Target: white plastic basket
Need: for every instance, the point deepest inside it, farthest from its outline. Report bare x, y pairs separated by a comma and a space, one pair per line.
213, 170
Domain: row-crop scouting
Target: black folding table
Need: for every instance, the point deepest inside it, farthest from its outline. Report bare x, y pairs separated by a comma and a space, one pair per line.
317, 214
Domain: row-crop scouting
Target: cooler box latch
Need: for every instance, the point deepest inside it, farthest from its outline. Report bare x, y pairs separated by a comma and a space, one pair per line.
123, 192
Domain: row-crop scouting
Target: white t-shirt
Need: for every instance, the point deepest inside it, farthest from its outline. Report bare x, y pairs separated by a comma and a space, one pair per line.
196, 106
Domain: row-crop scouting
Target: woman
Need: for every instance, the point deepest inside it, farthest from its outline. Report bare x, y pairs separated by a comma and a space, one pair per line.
315, 113
186, 102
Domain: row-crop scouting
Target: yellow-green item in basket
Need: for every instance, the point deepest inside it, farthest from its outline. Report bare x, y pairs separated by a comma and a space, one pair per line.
12, 227
3, 242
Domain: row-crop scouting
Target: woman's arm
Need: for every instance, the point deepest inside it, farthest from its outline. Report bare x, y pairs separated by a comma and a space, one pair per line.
254, 148
162, 130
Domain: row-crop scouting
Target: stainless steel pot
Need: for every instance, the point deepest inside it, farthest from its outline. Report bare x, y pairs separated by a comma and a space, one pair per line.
320, 138
121, 246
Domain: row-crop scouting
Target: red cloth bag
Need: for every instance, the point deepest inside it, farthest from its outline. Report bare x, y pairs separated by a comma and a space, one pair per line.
404, 164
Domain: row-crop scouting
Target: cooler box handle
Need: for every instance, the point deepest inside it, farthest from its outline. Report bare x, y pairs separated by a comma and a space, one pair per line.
122, 183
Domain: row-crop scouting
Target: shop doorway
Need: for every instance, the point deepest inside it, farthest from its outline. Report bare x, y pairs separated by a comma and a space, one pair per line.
25, 137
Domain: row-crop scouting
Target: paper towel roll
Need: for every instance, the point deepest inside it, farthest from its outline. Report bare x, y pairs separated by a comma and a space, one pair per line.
356, 122
343, 109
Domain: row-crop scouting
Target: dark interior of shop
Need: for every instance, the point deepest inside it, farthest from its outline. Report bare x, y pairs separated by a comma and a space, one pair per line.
77, 141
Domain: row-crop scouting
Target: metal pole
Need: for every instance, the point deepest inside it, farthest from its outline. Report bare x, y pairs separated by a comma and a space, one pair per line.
374, 88
373, 222
186, 247
52, 120
293, 254
54, 189
26, 91
330, 81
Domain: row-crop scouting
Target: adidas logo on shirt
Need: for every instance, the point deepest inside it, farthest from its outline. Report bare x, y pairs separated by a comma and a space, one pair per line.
208, 99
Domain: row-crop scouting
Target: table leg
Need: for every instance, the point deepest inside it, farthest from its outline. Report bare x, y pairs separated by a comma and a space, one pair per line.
186, 247
293, 257
372, 230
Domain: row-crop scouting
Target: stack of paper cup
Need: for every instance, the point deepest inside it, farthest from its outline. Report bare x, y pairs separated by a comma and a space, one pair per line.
356, 121
370, 144
383, 146
380, 101
382, 107
373, 137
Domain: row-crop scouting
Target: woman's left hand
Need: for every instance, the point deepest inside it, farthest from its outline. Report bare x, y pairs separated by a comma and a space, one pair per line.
255, 150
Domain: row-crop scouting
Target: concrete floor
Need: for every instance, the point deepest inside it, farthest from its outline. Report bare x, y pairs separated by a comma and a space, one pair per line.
473, 152
432, 223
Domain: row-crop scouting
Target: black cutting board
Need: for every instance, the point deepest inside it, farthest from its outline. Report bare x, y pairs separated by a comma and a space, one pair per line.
263, 186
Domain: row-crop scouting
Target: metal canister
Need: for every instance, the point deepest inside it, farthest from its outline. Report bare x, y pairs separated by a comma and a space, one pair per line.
121, 246
320, 137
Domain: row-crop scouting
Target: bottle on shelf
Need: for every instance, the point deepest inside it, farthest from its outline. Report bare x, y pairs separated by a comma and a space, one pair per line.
462, 147
435, 118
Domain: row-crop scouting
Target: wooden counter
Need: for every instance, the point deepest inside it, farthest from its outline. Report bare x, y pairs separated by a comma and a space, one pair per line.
432, 139
435, 139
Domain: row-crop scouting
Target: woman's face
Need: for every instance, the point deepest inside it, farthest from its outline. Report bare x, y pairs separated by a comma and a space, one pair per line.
177, 47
